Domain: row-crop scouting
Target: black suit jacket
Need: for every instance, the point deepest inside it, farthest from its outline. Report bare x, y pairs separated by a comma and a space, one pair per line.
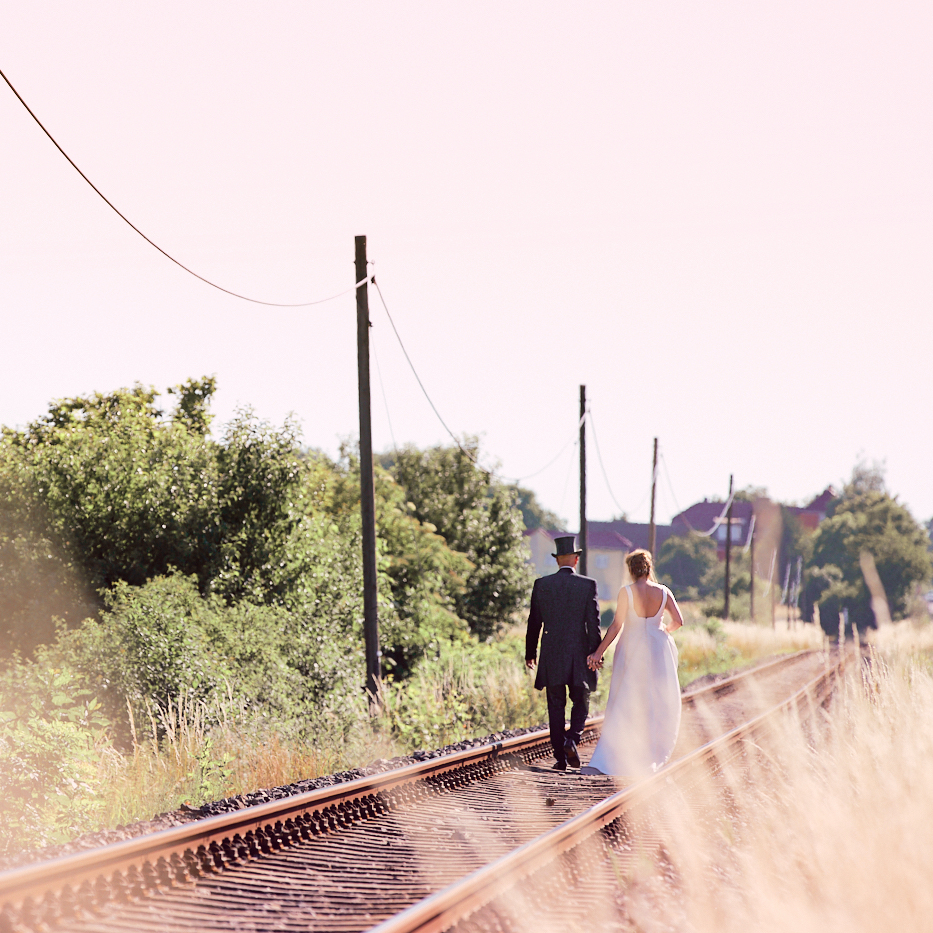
565, 606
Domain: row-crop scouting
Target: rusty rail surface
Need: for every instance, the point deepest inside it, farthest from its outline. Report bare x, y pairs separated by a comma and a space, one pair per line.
456, 903
48, 893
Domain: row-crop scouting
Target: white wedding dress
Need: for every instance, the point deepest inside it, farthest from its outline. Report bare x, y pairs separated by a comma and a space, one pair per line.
643, 713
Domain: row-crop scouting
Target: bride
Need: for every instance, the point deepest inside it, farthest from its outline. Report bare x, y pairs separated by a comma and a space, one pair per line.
643, 713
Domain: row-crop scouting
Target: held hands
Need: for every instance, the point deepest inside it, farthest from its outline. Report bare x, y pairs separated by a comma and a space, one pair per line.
594, 661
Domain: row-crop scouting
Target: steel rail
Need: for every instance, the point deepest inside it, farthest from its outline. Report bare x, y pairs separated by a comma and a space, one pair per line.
727, 684
31, 880
182, 853
441, 911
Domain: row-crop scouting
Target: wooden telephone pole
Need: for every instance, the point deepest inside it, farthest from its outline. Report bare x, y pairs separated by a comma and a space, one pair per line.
652, 529
367, 490
725, 611
582, 537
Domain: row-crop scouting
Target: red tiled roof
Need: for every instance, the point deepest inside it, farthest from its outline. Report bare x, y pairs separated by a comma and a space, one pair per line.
634, 532
702, 516
606, 539
822, 500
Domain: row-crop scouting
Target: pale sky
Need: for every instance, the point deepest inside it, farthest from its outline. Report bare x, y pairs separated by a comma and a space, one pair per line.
715, 215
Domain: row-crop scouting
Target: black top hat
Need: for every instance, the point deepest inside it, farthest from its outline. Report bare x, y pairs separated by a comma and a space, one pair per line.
565, 545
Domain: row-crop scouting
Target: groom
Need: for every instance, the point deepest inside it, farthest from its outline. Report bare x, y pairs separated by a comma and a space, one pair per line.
565, 605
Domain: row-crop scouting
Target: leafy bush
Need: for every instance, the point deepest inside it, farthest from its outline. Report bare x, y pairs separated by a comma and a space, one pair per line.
466, 691
54, 749
688, 563
478, 518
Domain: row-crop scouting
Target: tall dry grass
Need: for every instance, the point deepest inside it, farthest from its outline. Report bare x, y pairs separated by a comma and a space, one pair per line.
193, 752
183, 755
714, 646
826, 828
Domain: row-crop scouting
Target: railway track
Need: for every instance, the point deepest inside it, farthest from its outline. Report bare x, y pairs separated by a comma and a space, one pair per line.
565, 872
362, 853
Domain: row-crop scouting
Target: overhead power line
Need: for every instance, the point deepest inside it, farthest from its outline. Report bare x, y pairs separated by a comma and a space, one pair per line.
411, 365
717, 522
181, 265
602, 467
552, 461
453, 437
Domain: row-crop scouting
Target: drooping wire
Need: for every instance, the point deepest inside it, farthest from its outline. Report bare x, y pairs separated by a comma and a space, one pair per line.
670, 486
563, 497
550, 463
181, 265
602, 467
717, 522
489, 472
411, 365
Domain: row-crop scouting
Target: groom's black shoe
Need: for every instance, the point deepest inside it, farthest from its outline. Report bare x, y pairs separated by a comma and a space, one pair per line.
559, 766
573, 756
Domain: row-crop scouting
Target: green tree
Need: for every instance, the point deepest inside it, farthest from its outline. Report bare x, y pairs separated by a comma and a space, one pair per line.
534, 514
103, 488
866, 518
262, 496
689, 565
477, 516
120, 491
420, 577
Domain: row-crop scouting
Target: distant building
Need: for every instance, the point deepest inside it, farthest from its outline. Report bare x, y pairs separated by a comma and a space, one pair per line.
608, 543
703, 516
814, 512
606, 550
636, 532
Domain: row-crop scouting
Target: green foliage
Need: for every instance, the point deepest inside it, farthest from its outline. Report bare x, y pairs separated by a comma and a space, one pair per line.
151, 646
689, 565
534, 514
53, 737
419, 575
465, 691
477, 517
162, 641
262, 497
174, 575
194, 398
103, 489
866, 519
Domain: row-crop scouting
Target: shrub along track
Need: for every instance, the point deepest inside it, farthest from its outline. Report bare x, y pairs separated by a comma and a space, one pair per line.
353, 855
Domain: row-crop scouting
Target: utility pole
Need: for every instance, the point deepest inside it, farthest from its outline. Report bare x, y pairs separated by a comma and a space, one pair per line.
367, 490
583, 479
652, 530
725, 611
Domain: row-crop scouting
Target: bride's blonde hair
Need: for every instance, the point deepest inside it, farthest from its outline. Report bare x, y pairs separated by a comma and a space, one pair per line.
641, 565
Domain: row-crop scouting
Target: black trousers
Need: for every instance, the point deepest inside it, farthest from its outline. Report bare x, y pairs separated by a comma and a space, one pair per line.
556, 705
